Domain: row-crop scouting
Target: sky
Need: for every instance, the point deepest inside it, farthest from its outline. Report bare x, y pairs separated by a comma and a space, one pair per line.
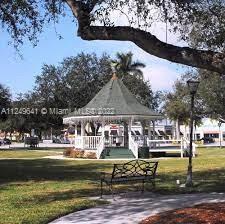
19, 73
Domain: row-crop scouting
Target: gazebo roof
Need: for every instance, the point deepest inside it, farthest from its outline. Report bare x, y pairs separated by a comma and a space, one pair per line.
114, 101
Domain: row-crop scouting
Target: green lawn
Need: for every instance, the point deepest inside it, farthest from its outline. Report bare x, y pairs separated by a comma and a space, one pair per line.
40, 190
25, 153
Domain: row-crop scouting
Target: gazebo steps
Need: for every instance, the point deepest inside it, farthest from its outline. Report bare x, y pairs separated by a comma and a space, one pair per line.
118, 153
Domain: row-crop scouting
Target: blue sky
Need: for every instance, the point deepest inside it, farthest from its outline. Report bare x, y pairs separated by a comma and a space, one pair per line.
19, 74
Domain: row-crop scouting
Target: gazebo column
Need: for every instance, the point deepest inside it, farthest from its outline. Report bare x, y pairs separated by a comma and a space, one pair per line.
75, 128
75, 134
103, 128
82, 133
149, 133
153, 127
82, 128
153, 133
125, 134
129, 130
129, 126
143, 133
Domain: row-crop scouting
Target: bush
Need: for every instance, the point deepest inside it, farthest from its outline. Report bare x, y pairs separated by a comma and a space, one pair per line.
90, 155
67, 152
78, 153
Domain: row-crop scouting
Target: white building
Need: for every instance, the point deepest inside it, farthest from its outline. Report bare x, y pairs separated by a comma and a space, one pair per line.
208, 129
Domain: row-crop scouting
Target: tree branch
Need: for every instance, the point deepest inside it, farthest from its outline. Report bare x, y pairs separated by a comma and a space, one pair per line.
205, 59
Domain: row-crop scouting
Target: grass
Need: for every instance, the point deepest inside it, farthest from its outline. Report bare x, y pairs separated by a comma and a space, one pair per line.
40, 190
25, 153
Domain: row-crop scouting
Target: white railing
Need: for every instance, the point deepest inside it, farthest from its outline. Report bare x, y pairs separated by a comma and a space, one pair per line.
78, 142
167, 146
91, 142
133, 146
175, 145
100, 148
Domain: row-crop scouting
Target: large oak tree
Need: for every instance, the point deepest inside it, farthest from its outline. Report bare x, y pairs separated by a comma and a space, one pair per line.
200, 23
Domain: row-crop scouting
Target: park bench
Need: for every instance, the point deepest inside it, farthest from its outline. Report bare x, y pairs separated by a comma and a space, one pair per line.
133, 171
31, 142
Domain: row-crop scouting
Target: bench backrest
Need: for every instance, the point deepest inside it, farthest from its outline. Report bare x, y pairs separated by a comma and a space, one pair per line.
135, 168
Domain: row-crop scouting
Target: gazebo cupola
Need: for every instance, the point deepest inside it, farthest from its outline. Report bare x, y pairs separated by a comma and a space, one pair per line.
113, 103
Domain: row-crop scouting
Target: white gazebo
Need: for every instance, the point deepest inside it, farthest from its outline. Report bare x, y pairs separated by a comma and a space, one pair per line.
113, 103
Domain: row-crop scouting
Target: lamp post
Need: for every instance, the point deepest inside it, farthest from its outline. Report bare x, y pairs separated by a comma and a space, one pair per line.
219, 124
192, 86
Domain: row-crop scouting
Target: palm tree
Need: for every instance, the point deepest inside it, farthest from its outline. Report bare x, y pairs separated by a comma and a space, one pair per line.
125, 66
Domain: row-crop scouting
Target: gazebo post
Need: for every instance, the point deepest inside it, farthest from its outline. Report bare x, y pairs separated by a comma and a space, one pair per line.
143, 132
82, 133
75, 134
126, 136
129, 130
153, 127
149, 133
103, 128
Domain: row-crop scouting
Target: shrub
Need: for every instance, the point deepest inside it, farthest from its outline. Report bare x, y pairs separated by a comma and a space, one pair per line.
90, 155
77, 153
67, 152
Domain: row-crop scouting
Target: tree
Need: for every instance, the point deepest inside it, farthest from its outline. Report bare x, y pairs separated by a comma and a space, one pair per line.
5, 102
210, 97
177, 103
125, 66
176, 106
200, 23
211, 91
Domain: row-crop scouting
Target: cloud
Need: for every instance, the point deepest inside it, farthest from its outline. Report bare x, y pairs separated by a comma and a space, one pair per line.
161, 77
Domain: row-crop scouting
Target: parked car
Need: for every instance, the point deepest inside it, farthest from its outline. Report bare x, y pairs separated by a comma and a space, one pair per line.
207, 140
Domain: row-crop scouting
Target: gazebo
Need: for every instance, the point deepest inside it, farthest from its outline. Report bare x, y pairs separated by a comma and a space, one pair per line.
113, 103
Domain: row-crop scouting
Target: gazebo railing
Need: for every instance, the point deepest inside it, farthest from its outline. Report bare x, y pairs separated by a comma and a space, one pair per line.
91, 142
78, 142
87, 142
175, 145
133, 146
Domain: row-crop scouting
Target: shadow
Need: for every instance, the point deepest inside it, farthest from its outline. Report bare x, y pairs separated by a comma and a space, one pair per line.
60, 170
48, 169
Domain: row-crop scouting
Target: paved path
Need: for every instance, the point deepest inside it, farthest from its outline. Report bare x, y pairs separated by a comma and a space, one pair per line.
132, 208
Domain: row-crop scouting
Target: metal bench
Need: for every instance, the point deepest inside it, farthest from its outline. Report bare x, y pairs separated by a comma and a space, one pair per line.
133, 171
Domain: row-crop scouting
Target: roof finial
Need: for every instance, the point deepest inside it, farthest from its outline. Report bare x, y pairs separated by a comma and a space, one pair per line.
114, 76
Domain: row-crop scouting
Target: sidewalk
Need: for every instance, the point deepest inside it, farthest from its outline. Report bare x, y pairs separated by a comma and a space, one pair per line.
131, 208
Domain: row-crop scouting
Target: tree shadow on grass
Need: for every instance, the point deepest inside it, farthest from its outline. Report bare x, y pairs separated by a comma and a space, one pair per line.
48, 169
59, 170
212, 180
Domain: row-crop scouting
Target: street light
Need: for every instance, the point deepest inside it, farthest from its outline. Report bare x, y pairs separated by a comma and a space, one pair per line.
219, 124
192, 86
